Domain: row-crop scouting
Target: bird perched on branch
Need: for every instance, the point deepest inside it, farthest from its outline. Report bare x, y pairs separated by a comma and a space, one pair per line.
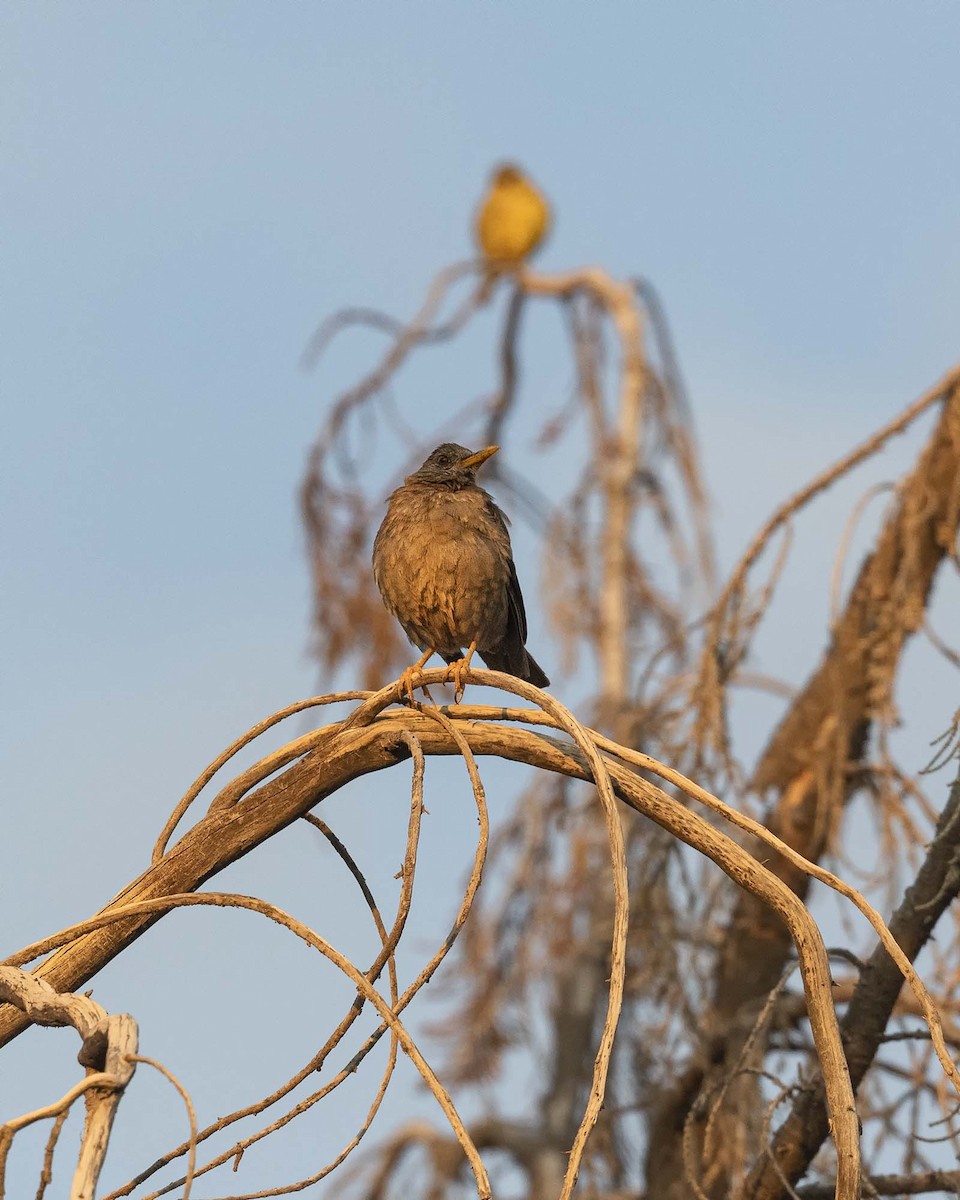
444, 566
511, 222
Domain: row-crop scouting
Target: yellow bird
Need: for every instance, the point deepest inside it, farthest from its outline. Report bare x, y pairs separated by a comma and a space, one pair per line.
511, 221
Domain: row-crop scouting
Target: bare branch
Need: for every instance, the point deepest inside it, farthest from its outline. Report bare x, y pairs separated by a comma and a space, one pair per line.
369, 740
108, 1041
937, 884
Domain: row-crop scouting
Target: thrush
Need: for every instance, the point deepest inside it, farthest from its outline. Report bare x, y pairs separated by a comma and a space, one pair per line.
444, 566
511, 222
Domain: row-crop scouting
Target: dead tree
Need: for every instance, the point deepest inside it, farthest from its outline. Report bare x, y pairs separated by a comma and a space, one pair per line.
707, 965
652, 907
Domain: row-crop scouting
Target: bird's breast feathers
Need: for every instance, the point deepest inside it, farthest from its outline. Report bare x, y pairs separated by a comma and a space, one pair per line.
446, 558
512, 223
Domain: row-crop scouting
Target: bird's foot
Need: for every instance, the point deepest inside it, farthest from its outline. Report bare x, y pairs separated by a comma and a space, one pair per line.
456, 672
405, 682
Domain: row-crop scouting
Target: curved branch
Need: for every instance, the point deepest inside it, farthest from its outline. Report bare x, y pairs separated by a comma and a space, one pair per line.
108, 1042
872, 445
936, 886
370, 740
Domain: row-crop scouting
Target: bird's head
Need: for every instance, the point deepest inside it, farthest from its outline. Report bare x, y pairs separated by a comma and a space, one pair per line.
452, 466
507, 173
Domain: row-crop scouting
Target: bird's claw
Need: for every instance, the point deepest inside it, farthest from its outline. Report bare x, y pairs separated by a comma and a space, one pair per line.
456, 673
459, 683
405, 683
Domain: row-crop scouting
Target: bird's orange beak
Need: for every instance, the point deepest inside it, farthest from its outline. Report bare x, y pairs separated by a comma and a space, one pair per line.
481, 456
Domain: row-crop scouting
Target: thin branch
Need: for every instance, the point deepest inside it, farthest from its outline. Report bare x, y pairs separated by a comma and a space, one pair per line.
891, 1185
368, 741
46, 1172
191, 1114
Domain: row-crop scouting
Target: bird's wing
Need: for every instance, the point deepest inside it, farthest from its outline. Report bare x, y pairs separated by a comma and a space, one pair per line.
518, 615
539, 216
515, 597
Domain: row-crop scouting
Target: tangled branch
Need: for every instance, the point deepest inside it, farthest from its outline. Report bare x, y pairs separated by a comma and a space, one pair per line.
289, 782
108, 1052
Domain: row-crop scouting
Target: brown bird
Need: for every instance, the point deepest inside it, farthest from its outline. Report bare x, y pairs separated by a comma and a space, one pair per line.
443, 564
511, 222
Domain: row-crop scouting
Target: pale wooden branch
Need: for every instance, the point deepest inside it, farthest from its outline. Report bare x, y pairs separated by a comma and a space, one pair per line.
819, 484
44, 1005
45, 1112
618, 461
120, 913
388, 942
46, 1173
874, 997
108, 1041
843, 547
405, 336
561, 717
234, 748
811, 763
370, 739
925, 1006
102, 1103
191, 1115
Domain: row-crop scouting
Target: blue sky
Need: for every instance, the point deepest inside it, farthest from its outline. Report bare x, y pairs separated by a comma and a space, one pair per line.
187, 189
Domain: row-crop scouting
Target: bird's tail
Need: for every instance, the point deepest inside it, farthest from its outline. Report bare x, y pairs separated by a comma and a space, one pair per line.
535, 673
523, 665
